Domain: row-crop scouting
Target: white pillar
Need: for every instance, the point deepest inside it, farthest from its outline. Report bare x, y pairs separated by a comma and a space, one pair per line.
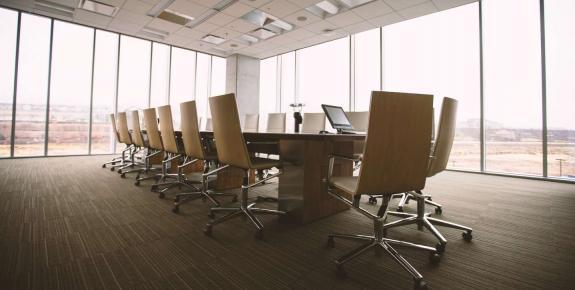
243, 79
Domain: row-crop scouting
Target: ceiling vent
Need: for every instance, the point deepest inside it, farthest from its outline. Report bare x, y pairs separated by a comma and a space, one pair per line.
54, 8
154, 33
329, 8
97, 7
270, 25
213, 39
175, 17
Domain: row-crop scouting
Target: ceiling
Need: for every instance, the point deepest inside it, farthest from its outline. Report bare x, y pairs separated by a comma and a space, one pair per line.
307, 28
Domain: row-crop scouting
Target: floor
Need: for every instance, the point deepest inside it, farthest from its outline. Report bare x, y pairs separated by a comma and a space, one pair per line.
66, 223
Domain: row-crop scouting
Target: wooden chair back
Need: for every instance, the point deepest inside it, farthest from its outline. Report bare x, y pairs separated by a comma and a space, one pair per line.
190, 130
123, 130
276, 123
167, 129
251, 122
444, 137
151, 123
136, 130
113, 120
358, 120
313, 122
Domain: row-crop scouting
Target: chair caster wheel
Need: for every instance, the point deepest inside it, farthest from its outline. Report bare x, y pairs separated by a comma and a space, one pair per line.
208, 231
112, 168
400, 209
176, 209
123, 175
154, 188
177, 199
440, 248
137, 183
259, 235
434, 258
438, 210
330, 243
467, 236
420, 285
119, 171
103, 165
340, 272
372, 200
235, 198
161, 195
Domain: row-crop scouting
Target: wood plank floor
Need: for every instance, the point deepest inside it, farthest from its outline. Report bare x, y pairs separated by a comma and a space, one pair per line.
66, 223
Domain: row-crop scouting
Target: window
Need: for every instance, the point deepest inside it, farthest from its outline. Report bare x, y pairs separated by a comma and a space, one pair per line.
31, 96
367, 61
438, 54
70, 89
323, 75
202, 83
287, 87
268, 89
560, 62
512, 86
104, 95
134, 76
160, 75
182, 81
8, 31
218, 76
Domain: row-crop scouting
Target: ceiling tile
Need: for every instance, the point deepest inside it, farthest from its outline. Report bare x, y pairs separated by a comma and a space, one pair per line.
115, 3
128, 16
386, 19
206, 27
309, 18
305, 3
69, 3
231, 45
238, 9
164, 25
90, 17
359, 27
419, 10
225, 33
26, 5
241, 25
190, 33
280, 40
447, 4
177, 40
255, 3
125, 27
320, 26
137, 6
402, 4
344, 19
280, 8
206, 3
220, 19
187, 8
299, 34
373, 9
153, 2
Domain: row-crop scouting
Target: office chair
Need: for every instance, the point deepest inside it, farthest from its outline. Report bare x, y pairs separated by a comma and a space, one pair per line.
437, 163
124, 135
313, 123
117, 138
195, 150
388, 167
251, 123
208, 125
138, 143
232, 151
154, 145
276, 123
359, 121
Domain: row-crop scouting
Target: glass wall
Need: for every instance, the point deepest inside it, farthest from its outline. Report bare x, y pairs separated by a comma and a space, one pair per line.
268, 89
438, 54
58, 72
367, 64
560, 69
32, 92
8, 34
70, 89
512, 86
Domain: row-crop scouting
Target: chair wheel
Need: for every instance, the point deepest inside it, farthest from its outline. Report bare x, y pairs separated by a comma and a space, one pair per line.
434, 258
154, 188
330, 242
103, 165
440, 248
176, 209
259, 235
467, 236
123, 175
112, 168
177, 199
161, 195
119, 171
340, 272
208, 231
137, 183
400, 209
372, 200
420, 285
438, 210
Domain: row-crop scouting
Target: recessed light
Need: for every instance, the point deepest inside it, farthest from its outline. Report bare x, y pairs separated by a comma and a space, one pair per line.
97, 7
233, 45
54, 8
213, 39
263, 33
301, 18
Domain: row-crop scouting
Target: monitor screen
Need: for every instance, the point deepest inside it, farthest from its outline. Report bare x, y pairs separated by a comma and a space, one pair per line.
337, 117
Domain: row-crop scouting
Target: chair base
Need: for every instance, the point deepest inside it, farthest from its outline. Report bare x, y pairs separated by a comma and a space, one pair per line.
405, 198
248, 211
185, 197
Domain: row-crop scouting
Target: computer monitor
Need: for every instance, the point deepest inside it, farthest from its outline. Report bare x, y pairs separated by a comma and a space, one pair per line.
337, 118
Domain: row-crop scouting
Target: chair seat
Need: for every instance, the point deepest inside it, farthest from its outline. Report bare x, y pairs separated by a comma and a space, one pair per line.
264, 163
345, 183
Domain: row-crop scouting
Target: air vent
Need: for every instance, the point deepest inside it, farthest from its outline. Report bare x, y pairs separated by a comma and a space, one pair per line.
329, 8
175, 17
269, 25
263, 33
155, 33
213, 39
54, 8
97, 7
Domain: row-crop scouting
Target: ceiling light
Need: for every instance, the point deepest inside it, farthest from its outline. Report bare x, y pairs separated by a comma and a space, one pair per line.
267, 21
263, 33
98, 7
328, 32
54, 8
327, 7
249, 38
159, 8
301, 18
152, 32
175, 17
213, 39
354, 3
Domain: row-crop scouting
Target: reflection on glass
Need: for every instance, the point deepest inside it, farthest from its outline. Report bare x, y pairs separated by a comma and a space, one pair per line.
512, 86
8, 30
69, 116
160, 75
32, 85
268, 89
134, 77
560, 61
182, 81
367, 61
438, 54
105, 70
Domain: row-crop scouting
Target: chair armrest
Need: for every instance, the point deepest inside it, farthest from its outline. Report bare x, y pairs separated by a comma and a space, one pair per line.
332, 157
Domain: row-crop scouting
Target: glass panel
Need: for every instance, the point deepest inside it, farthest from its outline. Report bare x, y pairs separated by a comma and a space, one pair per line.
268, 89
160, 75
367, 64
323, 75
8, 31
33, 63
134, 77
439, 54
202, 83
512, 86
287, 88
560, 61
104, 100
70, 89
182, 80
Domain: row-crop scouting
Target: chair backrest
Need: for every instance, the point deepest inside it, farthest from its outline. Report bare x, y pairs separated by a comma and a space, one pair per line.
276, 123
136, 131
151, 123
208, 125
123, 130
251, 122
167, 129
358, 120
444, 137
191, 131
397, 145
230, 143
113, 120
313, 122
